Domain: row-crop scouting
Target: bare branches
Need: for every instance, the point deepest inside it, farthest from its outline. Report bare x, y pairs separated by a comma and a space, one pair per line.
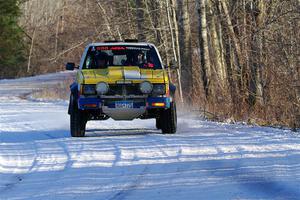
242, 55
68, 50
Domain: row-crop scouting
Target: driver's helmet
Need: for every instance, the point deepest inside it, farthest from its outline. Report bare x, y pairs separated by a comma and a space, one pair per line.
130, 58
101, 56
101, 59
140, 57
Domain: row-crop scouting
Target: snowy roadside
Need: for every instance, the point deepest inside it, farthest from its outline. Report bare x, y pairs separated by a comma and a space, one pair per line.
132, 160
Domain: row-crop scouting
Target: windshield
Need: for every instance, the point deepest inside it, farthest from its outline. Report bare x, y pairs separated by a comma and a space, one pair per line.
100, 57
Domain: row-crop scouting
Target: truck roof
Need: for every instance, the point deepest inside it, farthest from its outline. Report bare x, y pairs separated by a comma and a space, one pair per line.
120, 43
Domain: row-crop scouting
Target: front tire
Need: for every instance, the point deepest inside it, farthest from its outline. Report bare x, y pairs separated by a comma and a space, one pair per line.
169, 120
78, 122
158, 123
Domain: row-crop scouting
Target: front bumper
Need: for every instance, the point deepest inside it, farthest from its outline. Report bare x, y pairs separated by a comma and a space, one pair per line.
92, 103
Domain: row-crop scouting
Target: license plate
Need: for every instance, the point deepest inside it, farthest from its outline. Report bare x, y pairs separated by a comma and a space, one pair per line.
124, 104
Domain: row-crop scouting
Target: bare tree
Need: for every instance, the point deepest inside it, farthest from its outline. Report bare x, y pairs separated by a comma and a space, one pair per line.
248, 62
185, 47
140, 20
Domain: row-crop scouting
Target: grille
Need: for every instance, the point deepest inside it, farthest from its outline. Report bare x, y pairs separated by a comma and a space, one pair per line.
124, 89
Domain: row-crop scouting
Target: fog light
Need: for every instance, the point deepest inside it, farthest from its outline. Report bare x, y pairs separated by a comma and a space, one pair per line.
102, 88
146, 87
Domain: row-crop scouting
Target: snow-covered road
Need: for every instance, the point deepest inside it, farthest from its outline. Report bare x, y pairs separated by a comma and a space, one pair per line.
132, 160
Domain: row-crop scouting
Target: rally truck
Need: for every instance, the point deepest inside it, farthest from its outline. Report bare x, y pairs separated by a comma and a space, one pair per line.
123, 81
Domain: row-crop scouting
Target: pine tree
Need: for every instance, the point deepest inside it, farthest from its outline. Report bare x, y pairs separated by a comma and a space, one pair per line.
12, 48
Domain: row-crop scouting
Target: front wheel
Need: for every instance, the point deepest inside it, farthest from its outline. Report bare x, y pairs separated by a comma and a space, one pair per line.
168, 120
77, 122
158, 123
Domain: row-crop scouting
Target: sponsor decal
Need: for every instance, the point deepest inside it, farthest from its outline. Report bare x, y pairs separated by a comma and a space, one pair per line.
138, 48
116, 48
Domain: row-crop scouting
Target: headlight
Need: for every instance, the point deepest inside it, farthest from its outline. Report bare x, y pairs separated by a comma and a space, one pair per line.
102, 88
88, 89
146, 87
159, 89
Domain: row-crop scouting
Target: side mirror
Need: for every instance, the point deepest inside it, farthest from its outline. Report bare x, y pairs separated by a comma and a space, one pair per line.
70, 66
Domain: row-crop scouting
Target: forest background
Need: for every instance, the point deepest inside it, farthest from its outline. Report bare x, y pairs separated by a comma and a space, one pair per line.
236, 60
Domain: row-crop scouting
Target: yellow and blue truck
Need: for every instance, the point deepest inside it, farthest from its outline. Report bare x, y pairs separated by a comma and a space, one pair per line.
123, 81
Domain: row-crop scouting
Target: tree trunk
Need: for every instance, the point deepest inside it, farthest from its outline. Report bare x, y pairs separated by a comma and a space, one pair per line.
185, 48
31, 50
174, 49
203, 45
140, 20
165, 34
255, 60
155, 19
217, 49
176, 33
236, 51
105, 16
56, 38
62, 28
130, 24
261, 21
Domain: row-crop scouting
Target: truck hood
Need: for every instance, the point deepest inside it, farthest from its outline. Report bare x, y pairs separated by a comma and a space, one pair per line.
119, 74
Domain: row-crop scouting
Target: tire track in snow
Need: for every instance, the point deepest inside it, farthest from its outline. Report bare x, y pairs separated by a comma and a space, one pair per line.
63, 146
37, 163
156, 142
131, 187
134, 184
15, 180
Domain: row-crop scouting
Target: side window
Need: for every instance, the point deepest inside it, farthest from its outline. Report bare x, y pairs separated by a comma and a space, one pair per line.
88, 62
153, 57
